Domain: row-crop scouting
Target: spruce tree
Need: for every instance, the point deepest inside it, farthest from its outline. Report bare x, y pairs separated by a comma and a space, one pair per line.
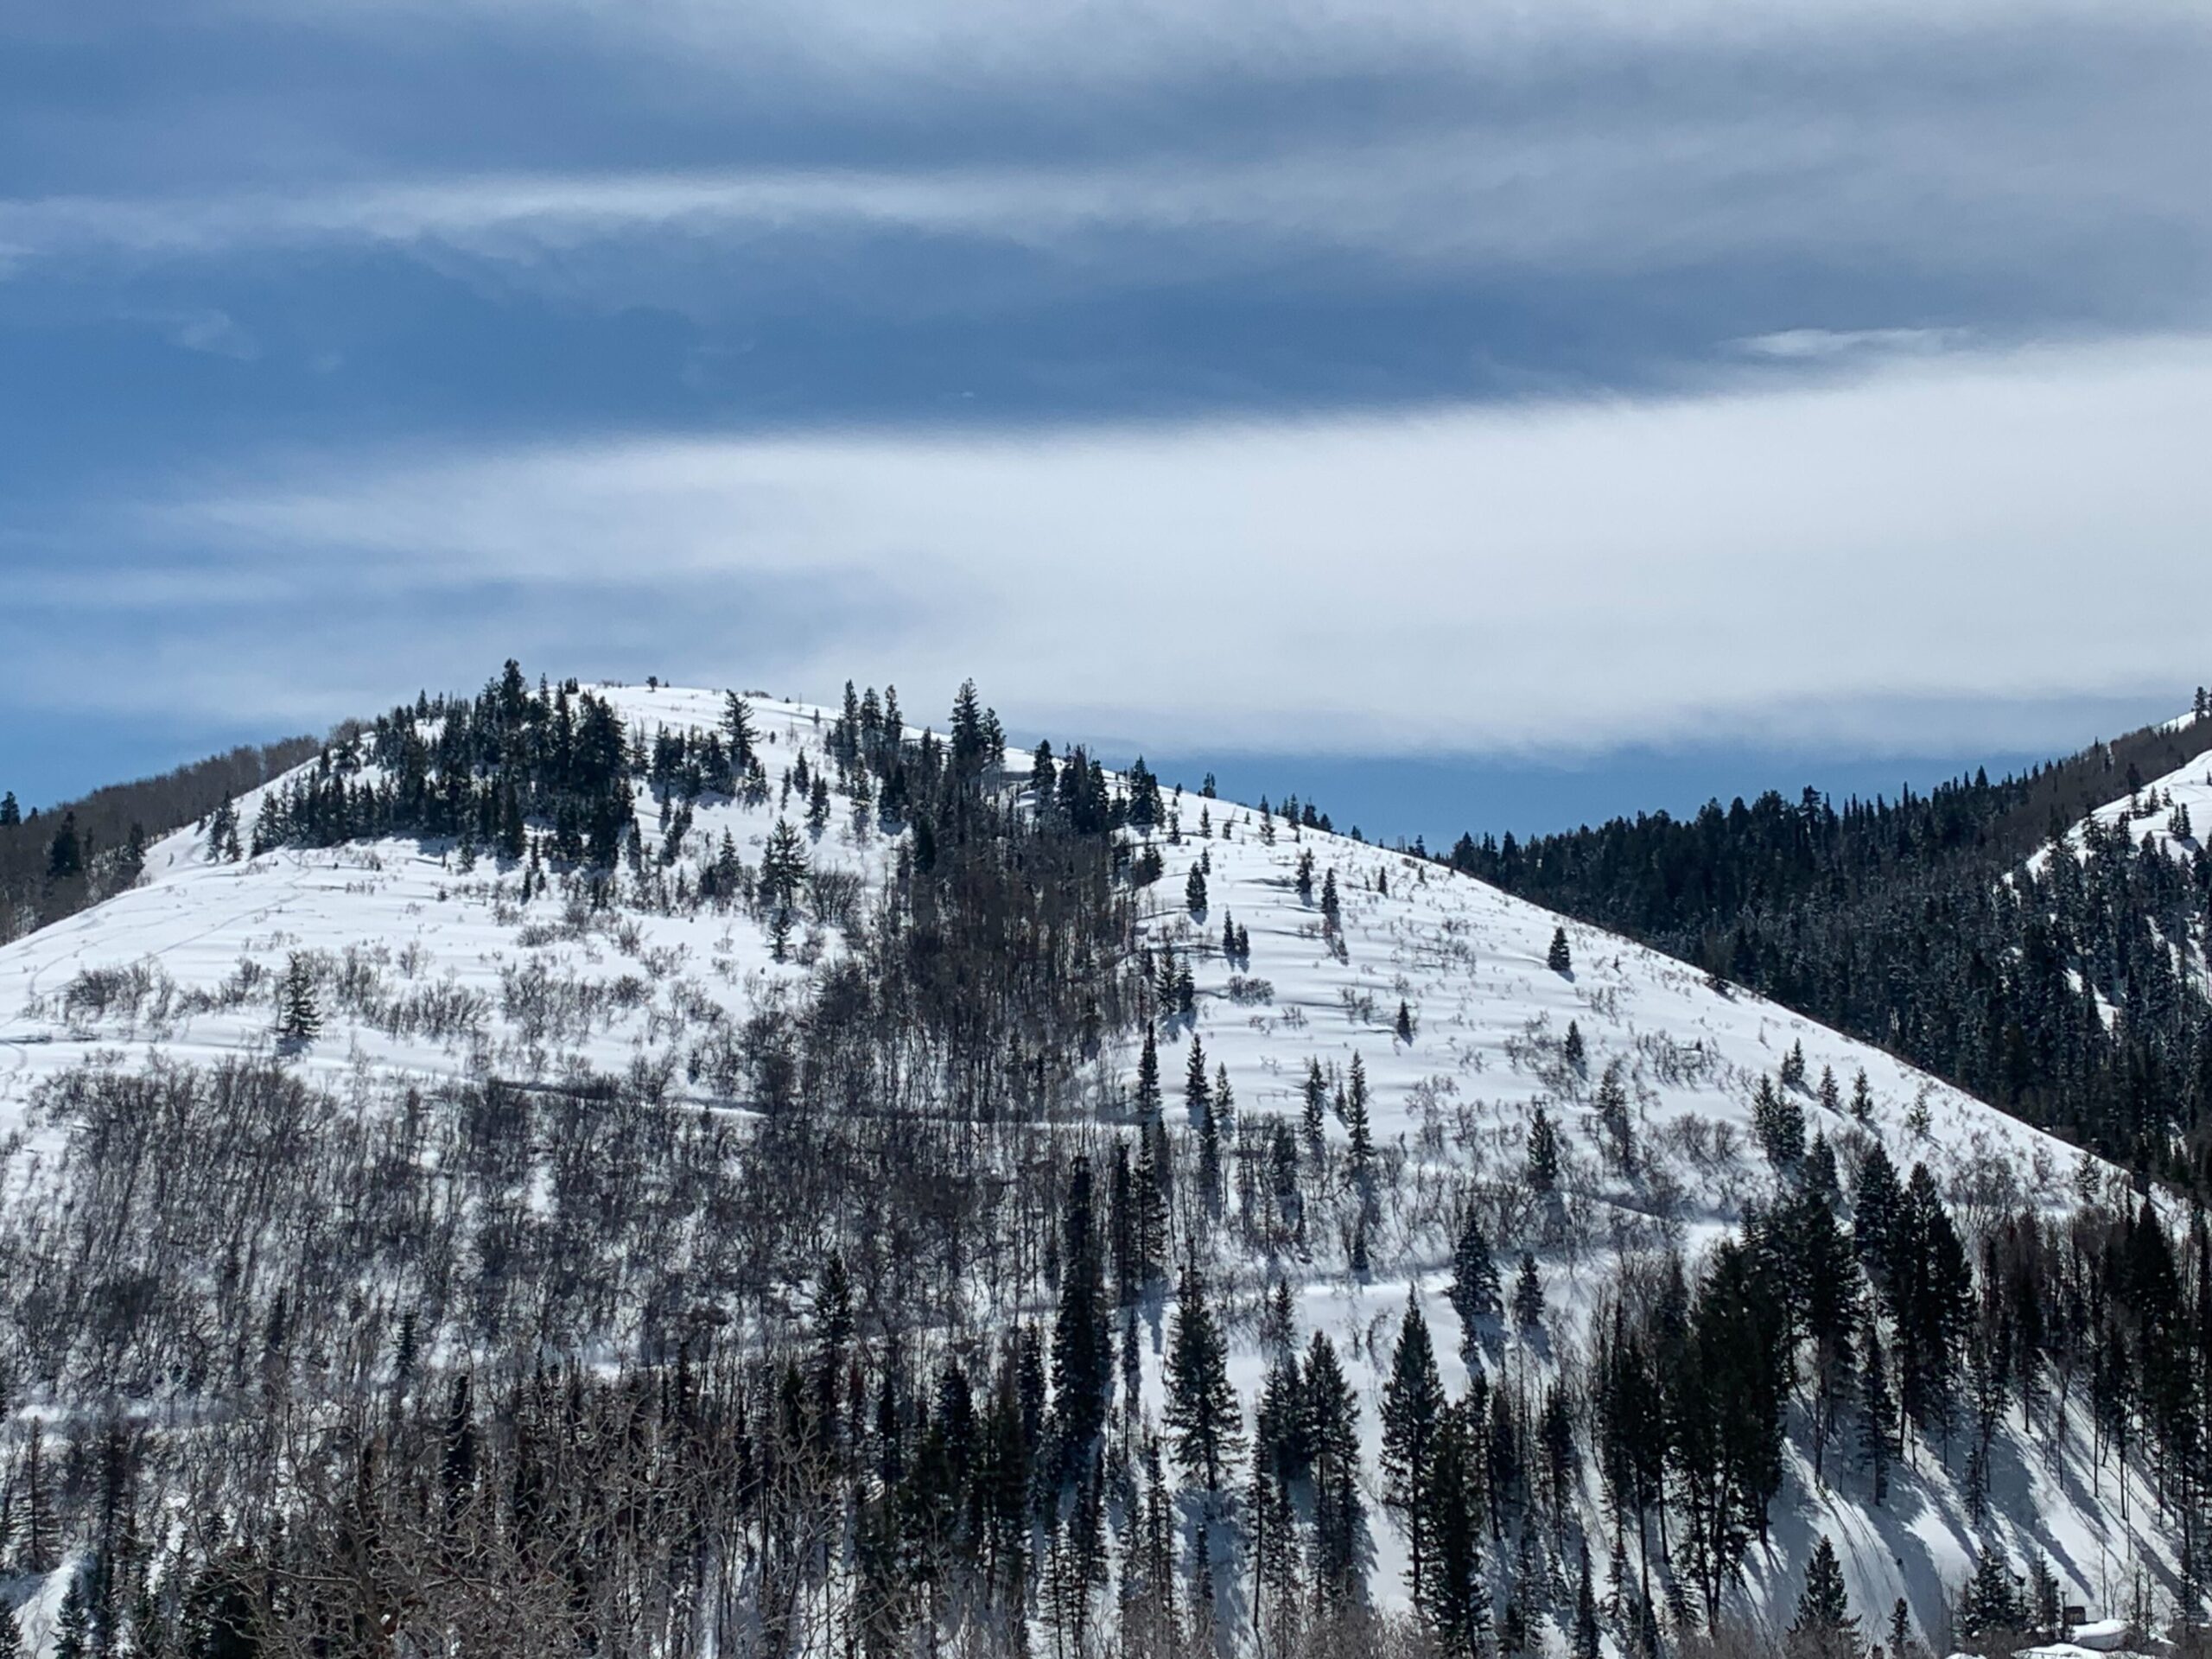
1528, 1294
1194, 892
10, 814
1332, 1447
1413, 1402
1583, 1642
1204, 1422
1454, 1601
1147, 1101
1082, 1347
1356, 1120
1544, 1153
1824, 1627
73, 1625
1474, 1293
65, 853
299, 1019
1560, 959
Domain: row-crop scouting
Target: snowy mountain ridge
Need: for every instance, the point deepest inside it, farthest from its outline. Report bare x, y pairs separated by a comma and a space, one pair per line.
1307, 956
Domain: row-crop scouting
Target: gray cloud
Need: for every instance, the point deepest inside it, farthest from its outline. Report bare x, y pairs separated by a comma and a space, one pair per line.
1828, 563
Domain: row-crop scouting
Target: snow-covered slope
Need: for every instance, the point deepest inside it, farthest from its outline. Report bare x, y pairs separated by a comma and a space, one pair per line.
426, 969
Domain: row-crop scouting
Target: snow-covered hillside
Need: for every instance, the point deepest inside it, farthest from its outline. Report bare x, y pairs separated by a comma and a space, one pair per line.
425, 968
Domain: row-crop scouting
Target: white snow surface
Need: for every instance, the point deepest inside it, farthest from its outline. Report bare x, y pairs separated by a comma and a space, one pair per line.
1468, 959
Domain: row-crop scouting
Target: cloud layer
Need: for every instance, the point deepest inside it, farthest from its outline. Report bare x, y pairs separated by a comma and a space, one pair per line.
1816, 564
1411, 375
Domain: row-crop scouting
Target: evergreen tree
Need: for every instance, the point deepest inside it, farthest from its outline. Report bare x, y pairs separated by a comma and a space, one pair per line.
1332, 915
1356, 1120
1405, 1026
65, 855
1572, 1050
1583, 1642
1544, 1153
1793, 1066
299, 1019
1197, 1090
1474, 1293
1413, 1403
11, 1633
1778, 1125
10, 814
1453, 1597
1989, 1604
1082, 1345
1194, 892
73, 1625
1147, 1100
1825, 1627
1560, 959
1204, 1420
1879, 1419
782, 872
1902, 1645
1528, 1294
1331, 1444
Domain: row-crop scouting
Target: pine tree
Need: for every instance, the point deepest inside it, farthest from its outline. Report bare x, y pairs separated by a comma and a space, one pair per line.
1902, 1645
1474, 1293
1613, 1116
299, 1019
65, 853
1877, 1424
1528, 1294
1197, 1091
1793, 1066
1405, 1026
1147, 1100
1583, 1643
73, 1626
1204, 1420
783, 871
1194, 892
1824, 1627
1560, 959
1332, 1430
1989, 1604
1356, 1120
10, 814
1332, 915
1544, 1153
1862, 1098
1413, 1402
1082, 1347
1455, 1598
1572, 1050
1778, 1125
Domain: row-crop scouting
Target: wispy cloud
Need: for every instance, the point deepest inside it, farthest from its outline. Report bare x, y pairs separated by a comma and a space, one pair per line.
1781, 565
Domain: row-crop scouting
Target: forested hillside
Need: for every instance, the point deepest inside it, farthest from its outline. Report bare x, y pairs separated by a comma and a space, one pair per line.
2070, 991
54, 863
599, 1170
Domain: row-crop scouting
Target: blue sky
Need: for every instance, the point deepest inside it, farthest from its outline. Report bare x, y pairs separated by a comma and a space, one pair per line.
1550, 409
